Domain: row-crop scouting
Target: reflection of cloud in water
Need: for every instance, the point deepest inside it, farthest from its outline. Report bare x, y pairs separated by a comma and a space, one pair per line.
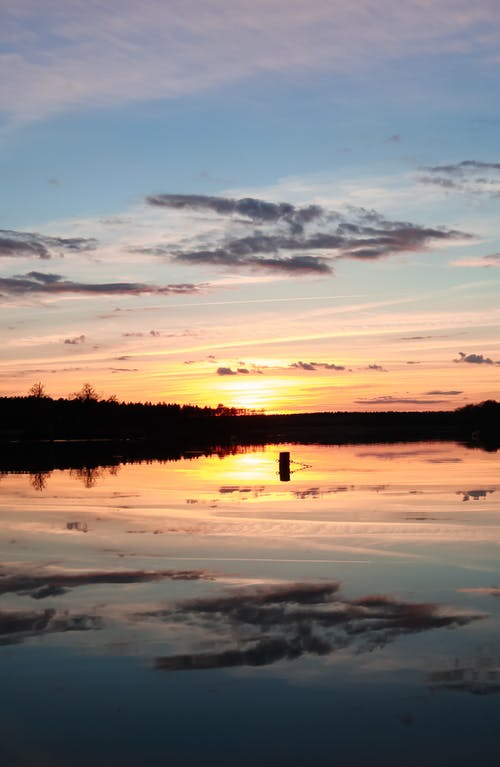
475, 494
17, 626
491, 591
318, 492
45, 583
264, 625
428, 455
82, 527
245, 490
311, 492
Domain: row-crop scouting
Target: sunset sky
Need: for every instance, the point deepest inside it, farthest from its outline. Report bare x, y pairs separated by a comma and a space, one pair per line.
282, 205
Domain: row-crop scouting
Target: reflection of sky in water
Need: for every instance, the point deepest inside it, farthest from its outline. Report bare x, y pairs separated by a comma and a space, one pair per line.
276, 621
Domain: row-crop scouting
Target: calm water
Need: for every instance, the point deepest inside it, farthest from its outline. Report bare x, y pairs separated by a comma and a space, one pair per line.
203, 611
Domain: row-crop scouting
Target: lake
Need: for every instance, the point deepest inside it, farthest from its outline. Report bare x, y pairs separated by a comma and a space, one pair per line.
206, 611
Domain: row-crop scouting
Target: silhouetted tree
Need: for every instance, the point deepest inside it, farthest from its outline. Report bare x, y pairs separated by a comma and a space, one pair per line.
86, 394
37, 390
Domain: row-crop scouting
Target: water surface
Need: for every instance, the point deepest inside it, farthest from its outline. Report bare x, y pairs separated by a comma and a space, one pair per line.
203, 611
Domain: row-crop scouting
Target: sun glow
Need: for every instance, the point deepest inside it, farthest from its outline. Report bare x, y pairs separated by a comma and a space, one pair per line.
270, 394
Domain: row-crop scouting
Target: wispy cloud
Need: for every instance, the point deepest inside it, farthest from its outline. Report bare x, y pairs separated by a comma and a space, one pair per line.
486, 262
15, 244
439, 392
115, 53
388, 399
468, 176
258, 211
53, 284
319, 236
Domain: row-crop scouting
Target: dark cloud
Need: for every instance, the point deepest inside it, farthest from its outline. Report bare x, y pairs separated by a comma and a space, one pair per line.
32, 245
258, 211
414, 338
354, 241
474, 359
17, 626
394, 139
227, 256
389, 400
124, 370
459, 168
42, 583
466, 176
378, 368
228, 371
52, 284
75, 340
263, 625
439, 392
365, 236
316, 365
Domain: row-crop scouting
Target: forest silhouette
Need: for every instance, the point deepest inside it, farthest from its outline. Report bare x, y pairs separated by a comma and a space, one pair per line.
84, 429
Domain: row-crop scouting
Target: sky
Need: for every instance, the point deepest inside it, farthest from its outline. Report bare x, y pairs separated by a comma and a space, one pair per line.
285, 206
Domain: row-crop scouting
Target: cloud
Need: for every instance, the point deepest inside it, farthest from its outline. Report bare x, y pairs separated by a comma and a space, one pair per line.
316, 365
485, 262
469, 176
415, 338
475, 359
256, 210
266, 624
32, 245
44, 582
228, 371
389, 400
394, 139
460, 168
296, 240
37, 283
378, 368
75, 340
124, 370
439, 392
305, 264
115, 53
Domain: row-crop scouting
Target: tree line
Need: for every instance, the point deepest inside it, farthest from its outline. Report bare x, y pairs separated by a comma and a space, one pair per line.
85, 416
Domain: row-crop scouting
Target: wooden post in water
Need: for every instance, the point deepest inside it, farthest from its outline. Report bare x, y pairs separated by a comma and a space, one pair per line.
284, 464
